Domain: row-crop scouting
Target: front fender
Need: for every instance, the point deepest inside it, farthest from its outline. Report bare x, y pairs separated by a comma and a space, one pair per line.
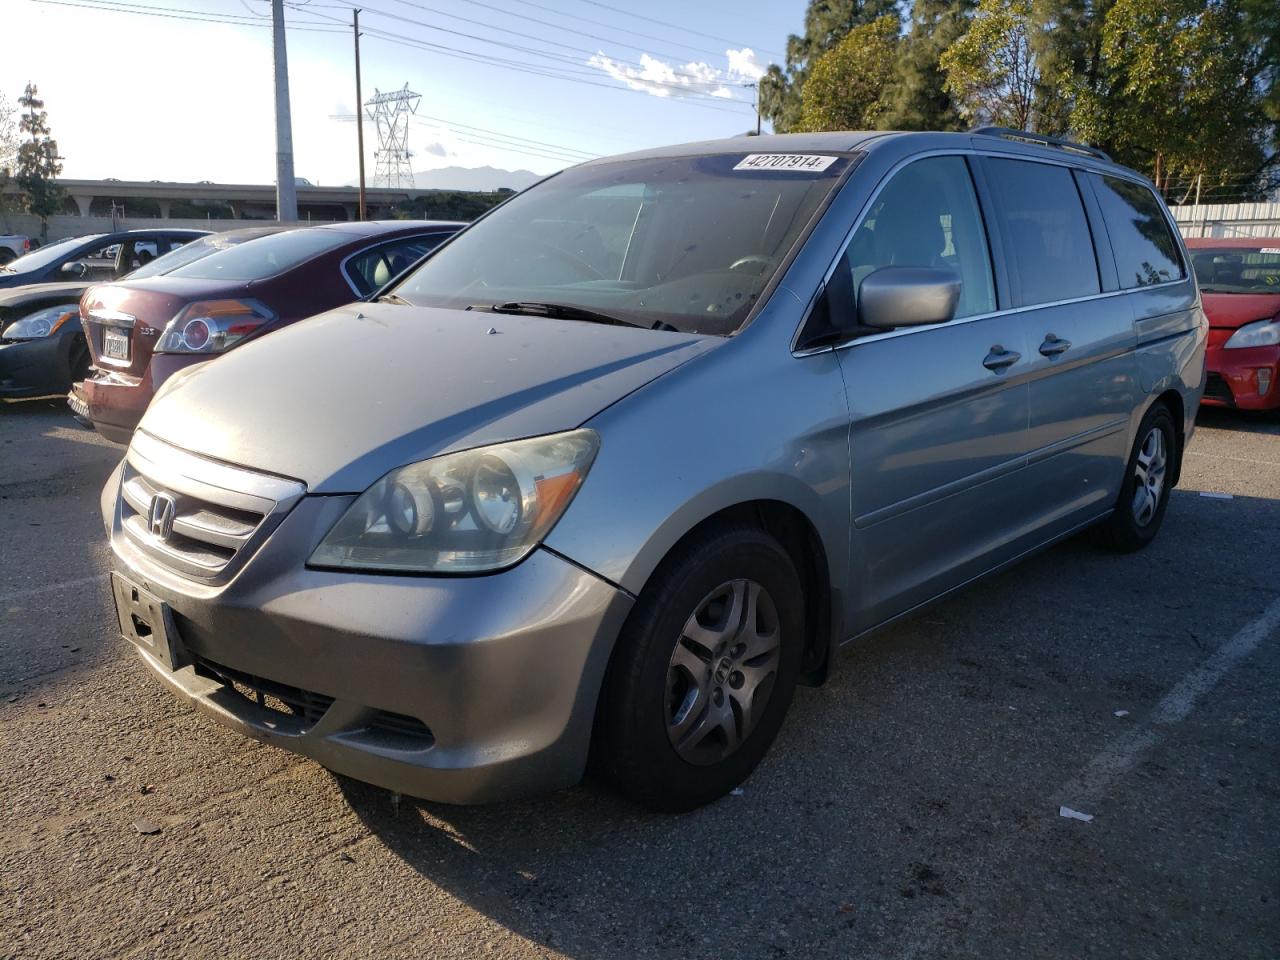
741, 424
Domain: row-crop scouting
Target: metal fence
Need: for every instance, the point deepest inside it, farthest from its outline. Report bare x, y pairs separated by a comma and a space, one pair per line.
1228, 219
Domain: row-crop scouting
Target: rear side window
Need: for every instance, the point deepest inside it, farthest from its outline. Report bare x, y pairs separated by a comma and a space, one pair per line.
265, 256
927, 216
1046, 235
1145, 248
371, 269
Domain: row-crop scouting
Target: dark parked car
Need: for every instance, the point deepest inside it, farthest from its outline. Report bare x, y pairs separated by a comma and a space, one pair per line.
84, 258
141, 332
42, 345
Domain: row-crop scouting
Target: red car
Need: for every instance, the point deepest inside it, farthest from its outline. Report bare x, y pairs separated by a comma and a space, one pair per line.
142, 332
1239, 282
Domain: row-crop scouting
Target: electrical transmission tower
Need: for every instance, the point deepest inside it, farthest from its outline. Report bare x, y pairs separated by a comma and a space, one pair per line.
392, 165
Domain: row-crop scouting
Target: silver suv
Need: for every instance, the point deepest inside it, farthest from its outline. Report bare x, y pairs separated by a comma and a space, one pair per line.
616, 467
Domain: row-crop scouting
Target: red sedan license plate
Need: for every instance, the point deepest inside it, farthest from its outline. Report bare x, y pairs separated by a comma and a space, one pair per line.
145, 621
115, 344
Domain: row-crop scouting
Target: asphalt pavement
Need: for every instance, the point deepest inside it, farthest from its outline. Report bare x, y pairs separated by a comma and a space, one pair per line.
911, 808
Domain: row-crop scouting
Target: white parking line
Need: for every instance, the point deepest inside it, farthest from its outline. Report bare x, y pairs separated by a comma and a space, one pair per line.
51, 588
1082, 794
1087, 789
1218, 456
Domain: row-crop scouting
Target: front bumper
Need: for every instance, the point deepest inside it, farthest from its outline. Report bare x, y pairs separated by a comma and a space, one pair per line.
1248, 378
37, 368
461, 690
116, 401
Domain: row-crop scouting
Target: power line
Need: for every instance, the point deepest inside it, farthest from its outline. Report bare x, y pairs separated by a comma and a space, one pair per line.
617, 29
692, 98
428, 120
580, 33
672, 26
528, 145
523, 49
175, 13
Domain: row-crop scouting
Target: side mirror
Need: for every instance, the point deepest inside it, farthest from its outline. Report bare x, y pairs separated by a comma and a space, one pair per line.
75, 268
908, 297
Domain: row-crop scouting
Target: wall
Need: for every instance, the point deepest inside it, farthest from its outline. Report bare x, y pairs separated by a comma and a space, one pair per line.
61, 227
1228, 219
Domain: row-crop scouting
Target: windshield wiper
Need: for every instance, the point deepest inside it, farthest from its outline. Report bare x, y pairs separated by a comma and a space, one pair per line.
558, 311
394, 298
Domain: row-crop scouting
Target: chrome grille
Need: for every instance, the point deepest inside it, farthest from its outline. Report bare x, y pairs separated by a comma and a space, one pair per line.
218, 516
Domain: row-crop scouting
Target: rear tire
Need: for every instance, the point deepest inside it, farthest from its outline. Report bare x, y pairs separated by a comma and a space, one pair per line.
703, 672
1144, 494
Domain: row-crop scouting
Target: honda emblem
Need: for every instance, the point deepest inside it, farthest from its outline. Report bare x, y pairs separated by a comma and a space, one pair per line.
160, 515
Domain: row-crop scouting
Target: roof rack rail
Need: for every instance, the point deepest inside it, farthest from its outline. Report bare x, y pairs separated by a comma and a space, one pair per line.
1008, 133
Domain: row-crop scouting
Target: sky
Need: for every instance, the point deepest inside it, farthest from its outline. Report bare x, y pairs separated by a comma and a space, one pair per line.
146, 90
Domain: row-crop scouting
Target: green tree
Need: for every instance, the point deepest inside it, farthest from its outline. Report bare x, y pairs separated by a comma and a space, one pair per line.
826, 23
38, 161
846, 85
8, 148
917, 99
1183, 94
992, 70
1067, 44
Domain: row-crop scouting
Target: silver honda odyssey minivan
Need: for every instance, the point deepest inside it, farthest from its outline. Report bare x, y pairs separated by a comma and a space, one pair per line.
609, 473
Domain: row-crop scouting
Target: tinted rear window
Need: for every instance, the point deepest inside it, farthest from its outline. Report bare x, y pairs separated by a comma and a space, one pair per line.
1046, 234
264, 257
1145, 248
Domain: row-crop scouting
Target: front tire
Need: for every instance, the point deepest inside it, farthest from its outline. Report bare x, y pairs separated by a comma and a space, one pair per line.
1144, 495
703, 672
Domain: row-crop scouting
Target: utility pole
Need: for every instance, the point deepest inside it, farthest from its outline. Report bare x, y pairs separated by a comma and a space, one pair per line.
756, 88
286, 188
355, 27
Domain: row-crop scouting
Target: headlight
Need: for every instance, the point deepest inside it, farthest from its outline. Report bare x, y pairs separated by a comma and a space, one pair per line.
1263, 333
212, 326
42, 323
467, 512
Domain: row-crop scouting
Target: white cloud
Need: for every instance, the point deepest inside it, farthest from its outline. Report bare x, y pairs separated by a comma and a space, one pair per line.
744, 65
662, 79
435, 149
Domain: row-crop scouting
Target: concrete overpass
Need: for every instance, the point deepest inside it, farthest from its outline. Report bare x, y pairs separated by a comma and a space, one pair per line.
156, 198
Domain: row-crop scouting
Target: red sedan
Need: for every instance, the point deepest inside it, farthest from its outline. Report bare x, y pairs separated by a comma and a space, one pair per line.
1239, 282
142, 332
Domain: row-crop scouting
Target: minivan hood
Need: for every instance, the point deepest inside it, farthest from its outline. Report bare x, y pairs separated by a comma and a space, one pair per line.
338, 400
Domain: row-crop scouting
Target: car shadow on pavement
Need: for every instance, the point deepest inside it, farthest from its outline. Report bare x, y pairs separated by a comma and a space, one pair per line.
1243, 421
921, 776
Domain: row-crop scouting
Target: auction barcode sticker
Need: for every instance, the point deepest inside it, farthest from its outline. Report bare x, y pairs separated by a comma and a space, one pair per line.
800, 162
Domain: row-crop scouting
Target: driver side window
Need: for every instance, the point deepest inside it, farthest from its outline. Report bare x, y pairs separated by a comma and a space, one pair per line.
928, 216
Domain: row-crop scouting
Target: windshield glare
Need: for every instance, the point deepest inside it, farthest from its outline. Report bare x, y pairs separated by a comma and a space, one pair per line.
265, 256
47, 254
1237, 269
684, 242
187, 253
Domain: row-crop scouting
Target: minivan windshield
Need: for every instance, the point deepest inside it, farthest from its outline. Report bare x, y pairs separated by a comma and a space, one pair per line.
688, 243
265, 256
47, 254
1238, 269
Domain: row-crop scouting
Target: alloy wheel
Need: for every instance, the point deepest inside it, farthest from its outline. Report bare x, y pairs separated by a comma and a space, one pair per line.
722, 670
1149, 474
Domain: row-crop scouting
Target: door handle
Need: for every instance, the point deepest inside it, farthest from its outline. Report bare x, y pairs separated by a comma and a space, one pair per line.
999, 358
1053, 346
